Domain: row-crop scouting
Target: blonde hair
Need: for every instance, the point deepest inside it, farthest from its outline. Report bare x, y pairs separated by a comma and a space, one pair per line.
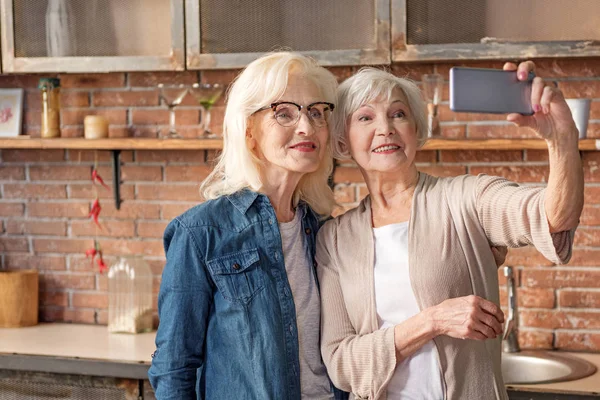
261, 83
367, 85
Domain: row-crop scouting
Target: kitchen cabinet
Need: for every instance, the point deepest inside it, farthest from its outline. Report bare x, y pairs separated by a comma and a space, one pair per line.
92, 35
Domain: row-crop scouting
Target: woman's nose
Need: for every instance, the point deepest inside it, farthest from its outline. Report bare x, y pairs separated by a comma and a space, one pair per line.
305, 127
385, 127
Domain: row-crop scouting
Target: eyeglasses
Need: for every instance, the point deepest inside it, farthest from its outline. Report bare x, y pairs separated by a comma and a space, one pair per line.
287, 113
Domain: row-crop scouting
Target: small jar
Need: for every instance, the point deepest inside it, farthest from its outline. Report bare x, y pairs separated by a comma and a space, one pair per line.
50, 88
130, 296
95, 127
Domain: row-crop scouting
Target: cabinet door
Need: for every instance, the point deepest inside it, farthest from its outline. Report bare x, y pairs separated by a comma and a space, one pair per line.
92, 35
230, 34
494, 29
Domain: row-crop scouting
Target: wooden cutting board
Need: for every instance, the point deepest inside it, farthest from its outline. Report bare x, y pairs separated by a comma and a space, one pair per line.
19, 293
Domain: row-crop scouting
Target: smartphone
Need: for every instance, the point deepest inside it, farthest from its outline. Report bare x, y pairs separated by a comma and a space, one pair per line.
484, 90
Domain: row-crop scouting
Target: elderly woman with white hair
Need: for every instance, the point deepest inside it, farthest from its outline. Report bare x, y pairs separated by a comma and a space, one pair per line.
239, 304
409, 286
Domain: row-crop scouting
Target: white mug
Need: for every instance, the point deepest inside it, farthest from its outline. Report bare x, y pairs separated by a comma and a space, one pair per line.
580, 108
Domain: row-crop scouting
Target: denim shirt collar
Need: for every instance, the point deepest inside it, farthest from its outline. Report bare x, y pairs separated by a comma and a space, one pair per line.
243, 199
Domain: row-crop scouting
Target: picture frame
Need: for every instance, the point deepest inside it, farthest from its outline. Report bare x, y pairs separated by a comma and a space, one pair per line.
11, 112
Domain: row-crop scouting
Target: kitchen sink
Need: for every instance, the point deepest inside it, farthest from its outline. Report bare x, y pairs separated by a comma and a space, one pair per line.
528, 367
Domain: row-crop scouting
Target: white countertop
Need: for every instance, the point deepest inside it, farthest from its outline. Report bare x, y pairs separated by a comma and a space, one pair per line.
92, 342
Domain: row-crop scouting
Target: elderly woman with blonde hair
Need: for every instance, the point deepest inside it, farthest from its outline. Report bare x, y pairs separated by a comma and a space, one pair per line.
409, 286
238, 303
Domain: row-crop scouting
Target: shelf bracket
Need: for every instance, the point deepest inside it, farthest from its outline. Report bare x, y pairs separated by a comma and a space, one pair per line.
116, 164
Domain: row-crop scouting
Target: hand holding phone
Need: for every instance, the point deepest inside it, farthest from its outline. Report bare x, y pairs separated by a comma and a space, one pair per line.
495, 91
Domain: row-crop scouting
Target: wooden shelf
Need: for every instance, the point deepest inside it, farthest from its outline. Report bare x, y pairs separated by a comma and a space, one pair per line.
216, 144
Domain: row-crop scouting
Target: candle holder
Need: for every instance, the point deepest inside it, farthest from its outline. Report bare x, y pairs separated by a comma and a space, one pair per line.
433, 86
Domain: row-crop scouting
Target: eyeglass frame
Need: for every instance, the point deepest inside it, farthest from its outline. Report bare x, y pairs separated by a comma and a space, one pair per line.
273, 107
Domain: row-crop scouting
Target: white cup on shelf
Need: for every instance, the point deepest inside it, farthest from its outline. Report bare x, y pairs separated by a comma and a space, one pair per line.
580, 108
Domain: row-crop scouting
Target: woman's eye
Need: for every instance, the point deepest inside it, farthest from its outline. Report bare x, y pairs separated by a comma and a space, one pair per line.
364, 118
399, 114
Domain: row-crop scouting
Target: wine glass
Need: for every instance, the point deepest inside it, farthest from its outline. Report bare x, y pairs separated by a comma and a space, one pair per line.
433, 86
172, 96
207, 95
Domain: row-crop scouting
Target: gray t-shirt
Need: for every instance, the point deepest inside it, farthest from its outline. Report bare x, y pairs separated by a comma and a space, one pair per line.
313, 375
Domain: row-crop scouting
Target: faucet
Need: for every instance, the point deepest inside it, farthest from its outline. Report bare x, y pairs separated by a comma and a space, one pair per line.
510, 339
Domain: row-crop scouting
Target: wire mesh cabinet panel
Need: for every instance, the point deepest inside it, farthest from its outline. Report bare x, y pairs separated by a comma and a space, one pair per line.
92, 35
230, 34
494, 29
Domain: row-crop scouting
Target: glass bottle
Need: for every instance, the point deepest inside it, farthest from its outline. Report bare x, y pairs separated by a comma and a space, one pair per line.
130, 296
50, 88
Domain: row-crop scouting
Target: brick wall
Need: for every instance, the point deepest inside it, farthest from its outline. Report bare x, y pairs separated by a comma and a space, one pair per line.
45, 195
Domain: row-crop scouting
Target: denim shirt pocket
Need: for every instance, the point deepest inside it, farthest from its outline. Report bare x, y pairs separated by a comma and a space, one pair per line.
238, 275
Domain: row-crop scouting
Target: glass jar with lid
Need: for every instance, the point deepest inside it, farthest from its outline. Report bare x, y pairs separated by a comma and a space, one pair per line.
50, 88
130, 296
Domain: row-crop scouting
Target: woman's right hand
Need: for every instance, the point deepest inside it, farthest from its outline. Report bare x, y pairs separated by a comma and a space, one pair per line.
468, 317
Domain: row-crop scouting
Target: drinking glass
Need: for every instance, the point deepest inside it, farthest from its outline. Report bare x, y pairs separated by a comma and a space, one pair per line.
206, 94
433, 86
171, 96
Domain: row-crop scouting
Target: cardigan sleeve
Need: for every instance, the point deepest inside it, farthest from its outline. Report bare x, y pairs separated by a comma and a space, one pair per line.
514, 216
361, 364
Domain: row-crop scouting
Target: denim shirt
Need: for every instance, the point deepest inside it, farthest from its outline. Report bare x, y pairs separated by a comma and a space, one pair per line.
227, 317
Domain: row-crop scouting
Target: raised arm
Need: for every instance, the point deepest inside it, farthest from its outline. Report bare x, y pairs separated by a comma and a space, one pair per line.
553, 122
184, 302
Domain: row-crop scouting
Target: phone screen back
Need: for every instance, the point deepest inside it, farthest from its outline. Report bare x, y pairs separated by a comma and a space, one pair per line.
489, 91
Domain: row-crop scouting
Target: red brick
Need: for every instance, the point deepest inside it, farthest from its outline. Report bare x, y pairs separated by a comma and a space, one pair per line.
59, 173
187, 173
170, 211
86, 191
32, 156
536, 298
536, 155
74, 99
443, 170
454, 131
499, 132
591, 166
34, 191
568, 68
341, 73
347, 175
127, 246
28, 261
71, 132
553, 278
80, 263
225, 77
12, 209
102, 283
28, 81
531, 173
138, 173
411, 71
526, 257
60, 299
110, 227
166, 78
156, 266
131, 210
363, 191
13, 244
34, 227
426, 156
12, 173
578, 341
126, 98
560, 319
170, 156
151, 229
595, 110
90, 300
84, 81
161, 117
447, 115
444, 69
75, 116
580, 89
62, 245
59, 210
119, 132
146, 131
468, 156
61, 281
585, 257
102, 156
529, 339
183, 192
579, 298
590, 215
587, 237
593, 131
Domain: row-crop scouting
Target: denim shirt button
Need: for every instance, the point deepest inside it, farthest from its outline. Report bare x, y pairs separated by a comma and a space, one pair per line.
276, 255
236, 266
307, 231
291, 328
270, 221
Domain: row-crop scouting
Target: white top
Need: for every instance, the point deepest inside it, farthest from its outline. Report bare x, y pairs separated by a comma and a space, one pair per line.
314, 382
417, 377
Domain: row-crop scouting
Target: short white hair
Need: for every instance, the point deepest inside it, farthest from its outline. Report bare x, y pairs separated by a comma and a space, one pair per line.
261, 83
368, 85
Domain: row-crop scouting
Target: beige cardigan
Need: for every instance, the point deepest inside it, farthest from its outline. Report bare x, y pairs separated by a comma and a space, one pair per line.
453, 221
